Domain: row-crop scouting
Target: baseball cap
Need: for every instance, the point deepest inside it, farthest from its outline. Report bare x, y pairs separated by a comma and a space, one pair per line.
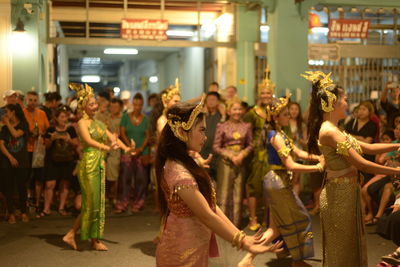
9, 93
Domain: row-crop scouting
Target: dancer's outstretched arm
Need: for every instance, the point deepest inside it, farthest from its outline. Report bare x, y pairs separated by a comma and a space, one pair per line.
279, 144
199, 206
378, 148
332, 137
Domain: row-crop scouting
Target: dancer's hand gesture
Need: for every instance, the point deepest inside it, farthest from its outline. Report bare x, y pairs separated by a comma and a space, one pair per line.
260, 249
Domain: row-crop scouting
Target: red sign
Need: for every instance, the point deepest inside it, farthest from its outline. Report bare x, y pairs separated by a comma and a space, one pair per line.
144, 29
348, 28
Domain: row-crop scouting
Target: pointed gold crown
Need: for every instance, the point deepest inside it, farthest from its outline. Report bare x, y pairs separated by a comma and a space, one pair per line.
170, 92
176, 122
266, 83
83, 93
325, 82
276, 108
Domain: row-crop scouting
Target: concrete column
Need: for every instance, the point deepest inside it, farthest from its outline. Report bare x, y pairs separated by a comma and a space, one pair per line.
287, 48
5, 48
247, 33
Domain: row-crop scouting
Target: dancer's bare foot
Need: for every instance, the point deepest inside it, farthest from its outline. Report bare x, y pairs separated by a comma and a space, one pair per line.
247, 261
69, 238
97, 245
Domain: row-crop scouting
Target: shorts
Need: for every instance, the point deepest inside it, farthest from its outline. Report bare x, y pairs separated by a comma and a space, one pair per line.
113, 165
58, 170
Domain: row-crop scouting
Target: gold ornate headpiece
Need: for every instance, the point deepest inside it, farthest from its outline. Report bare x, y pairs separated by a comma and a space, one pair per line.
275, 109
266, 83
83, 93
170, 92
176, 122
325, 82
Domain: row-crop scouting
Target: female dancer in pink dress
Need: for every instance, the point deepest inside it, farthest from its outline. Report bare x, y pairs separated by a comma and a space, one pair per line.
187, 197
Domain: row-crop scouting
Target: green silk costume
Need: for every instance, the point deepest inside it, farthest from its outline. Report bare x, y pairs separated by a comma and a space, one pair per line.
91, 175
259, 157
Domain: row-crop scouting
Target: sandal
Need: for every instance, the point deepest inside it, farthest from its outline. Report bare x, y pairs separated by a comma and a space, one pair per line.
372, 222
393, 258
63, 212
43, 214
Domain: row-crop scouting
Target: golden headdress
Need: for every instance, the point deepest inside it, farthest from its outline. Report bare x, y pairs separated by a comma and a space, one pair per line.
176, 122
83, 93
170, 92
325, 82
276, 108
266, 83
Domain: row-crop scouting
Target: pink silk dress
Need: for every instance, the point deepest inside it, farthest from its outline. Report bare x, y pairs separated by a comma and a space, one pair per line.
185, 240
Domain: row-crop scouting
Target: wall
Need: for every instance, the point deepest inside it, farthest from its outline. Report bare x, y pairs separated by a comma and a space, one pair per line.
188, 66
5, 49
29, 48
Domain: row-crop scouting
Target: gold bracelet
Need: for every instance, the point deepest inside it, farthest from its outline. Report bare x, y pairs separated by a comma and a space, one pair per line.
235, 238
238, 238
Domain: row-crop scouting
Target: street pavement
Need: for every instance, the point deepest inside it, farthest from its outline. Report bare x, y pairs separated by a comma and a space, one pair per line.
129, 239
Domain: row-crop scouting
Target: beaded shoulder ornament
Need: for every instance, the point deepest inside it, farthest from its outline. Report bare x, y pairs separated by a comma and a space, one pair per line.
83, 93
285, 151
170, 92
175, 121
342, 148
325, 82
276, 108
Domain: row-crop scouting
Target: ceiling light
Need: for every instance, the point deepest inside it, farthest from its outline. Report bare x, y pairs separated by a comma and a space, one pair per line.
116, 90
91, 60
153, 79
178, 33
121, 51
90, 79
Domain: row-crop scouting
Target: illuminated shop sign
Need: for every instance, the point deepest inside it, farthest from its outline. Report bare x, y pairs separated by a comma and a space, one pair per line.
348, 28
144, 29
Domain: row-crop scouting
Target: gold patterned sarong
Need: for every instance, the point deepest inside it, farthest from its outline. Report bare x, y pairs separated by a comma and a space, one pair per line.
343, 233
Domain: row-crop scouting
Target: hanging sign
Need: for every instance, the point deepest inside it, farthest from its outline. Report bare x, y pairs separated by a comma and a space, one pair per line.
348, 28
144, 29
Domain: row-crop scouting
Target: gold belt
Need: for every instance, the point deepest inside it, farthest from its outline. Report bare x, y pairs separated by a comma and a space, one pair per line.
343, 180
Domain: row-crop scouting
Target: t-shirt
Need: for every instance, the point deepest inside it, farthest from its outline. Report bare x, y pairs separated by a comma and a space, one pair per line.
137, 133
391, 111
17, 147
38, 117
368, 130
211, 126
70, 130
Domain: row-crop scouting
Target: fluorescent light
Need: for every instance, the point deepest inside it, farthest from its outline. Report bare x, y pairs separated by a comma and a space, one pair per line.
91, 60
264, 28
323, 30
179, 33
90, 79
153, 79
121, 51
